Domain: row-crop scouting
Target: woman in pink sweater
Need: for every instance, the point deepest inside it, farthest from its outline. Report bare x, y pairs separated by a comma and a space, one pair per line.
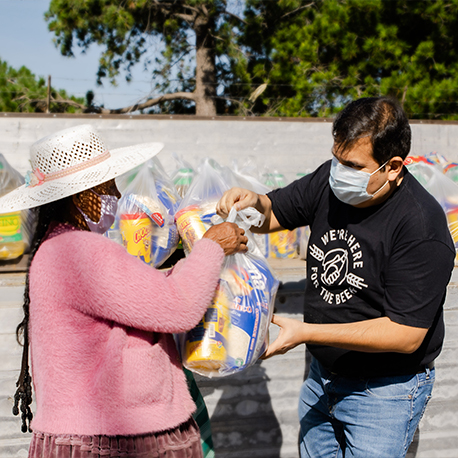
107, 376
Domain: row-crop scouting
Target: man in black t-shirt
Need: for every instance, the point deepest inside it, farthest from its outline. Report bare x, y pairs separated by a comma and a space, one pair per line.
379, 259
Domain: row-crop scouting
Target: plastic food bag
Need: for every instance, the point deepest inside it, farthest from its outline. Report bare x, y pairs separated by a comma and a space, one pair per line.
145, 219
124, 180
280, 244
440, 186
233, 333
303, 234
183, 176
451, 171
449, 168
283, 244
15, 228
275, 180
247, 176
198, 206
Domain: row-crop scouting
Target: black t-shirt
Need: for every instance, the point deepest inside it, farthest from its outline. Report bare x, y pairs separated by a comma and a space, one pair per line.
394, 259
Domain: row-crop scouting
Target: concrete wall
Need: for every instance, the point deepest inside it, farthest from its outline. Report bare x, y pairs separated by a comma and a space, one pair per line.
288, 145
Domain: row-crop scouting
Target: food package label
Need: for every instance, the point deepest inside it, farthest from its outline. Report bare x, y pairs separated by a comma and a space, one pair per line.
206, 344
452, 220
147, 205
10, 227
283, 244
163, 239
191, 225
136, 230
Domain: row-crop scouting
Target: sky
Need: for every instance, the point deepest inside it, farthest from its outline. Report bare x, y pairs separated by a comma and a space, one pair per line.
25, 40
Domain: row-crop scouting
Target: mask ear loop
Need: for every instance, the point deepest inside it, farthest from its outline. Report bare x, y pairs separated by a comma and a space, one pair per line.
383, 165
386, 182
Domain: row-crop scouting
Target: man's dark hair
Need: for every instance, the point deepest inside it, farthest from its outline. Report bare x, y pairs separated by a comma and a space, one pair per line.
382, 119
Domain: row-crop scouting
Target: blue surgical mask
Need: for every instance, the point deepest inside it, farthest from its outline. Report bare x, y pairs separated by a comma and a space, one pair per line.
107, 214
350, 185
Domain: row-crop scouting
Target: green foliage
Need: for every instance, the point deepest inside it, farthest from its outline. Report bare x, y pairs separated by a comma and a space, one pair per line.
162, 35
21, 91
316, 56
126, 30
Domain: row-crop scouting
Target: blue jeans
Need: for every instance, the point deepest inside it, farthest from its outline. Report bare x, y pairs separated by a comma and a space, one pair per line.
360, 418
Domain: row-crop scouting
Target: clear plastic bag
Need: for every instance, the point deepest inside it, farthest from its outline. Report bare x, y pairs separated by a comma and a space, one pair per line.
233, 333
123, 181
451, 171
449, 168
198, 206
145, 221
182, 177
280, 244
247, 176
274, 180
16, 228
303, 234
445, 190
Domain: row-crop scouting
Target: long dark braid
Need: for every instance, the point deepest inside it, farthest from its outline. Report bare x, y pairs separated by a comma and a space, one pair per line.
23, 396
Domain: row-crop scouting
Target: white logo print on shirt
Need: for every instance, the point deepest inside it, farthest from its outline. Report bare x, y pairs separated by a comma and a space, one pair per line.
337, 265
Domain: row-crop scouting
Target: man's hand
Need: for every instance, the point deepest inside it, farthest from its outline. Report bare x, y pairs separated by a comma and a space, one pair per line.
230, 237
290, 336
243, 198
238, 197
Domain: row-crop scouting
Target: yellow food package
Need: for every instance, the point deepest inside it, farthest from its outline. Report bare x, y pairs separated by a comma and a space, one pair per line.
190, 226
136, 230
283, 244
206, 344
11, 241
452, 219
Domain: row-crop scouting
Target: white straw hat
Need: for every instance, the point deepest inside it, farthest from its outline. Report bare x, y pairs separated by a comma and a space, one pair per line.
70, 161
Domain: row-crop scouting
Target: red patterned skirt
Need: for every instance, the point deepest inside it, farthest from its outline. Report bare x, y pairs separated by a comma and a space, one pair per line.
181, 442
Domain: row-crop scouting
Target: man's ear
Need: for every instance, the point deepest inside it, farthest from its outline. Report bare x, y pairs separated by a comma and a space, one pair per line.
395, 167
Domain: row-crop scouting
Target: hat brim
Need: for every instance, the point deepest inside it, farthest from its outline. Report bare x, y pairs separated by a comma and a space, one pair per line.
121, 160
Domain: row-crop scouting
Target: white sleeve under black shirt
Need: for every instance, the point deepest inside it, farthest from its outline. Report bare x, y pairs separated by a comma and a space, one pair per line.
394, 259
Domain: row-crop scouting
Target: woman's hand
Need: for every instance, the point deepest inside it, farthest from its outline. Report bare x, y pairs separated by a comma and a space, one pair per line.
290, 336
231, 238
238, 197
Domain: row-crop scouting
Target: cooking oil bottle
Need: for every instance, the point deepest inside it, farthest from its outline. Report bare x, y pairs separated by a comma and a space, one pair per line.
12, 244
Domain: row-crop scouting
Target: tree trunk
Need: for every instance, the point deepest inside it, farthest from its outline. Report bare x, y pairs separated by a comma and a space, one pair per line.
205, 92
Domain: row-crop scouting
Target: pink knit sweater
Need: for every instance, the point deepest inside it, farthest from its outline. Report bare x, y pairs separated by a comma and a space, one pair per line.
103, 357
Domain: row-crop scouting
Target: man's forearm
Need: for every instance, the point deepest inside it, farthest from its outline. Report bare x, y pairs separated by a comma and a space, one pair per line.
374, 336
371, 336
